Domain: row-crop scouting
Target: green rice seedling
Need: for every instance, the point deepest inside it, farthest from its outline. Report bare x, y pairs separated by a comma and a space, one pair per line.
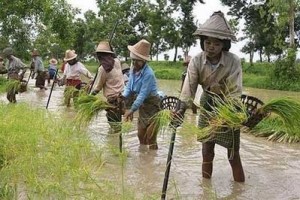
88, 106
69, 93
162, 119
287, 109
274, 129
229, 113
13, 85
126, 127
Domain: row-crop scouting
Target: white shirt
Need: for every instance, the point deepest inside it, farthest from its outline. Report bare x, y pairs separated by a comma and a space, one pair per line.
74, 71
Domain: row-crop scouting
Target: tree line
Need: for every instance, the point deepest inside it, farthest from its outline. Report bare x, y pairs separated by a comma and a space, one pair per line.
51, 26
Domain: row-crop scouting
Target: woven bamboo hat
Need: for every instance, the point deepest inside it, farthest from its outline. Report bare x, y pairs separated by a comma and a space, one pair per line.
140, 50
53, 61
104, 47
70, 55
8, 51
216, 26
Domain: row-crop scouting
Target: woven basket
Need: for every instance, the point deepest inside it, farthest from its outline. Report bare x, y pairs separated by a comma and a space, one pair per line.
23, 86
253, 104
173, 104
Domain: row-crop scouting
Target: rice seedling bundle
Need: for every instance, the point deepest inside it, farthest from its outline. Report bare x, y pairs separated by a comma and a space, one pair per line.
13, 85
88, 106
287, 109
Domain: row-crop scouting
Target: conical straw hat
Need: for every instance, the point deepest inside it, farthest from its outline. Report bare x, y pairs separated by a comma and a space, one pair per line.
141, 49
70, 55
216, 26
104, 47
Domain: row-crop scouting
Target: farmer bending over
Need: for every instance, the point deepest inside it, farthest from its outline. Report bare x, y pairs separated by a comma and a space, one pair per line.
72, 76
142, 88
110, 80
16, 70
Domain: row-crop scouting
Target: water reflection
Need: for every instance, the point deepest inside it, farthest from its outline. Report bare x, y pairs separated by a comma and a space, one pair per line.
272, 170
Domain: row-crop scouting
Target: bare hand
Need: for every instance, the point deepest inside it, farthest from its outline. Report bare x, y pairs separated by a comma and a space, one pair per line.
128, 115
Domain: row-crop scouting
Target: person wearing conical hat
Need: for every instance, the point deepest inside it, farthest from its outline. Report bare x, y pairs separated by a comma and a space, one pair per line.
219, 72
52, 69
39, 69
3, 69
110, 81
125, 71
16, 70
142, 87
73, 72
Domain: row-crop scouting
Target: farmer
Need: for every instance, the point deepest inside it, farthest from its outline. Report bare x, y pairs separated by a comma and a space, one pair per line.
185, 65
110, 80
72, 75
125, 71
143, 88
3, 69
219, 73
16, 70
52, 69
39, 70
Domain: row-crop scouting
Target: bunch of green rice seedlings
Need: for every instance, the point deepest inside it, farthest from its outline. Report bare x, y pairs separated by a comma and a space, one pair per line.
13, 85
191, 130
127, 127
273, 128
229, 113
162, 119
69, 92
287, 109
88, 106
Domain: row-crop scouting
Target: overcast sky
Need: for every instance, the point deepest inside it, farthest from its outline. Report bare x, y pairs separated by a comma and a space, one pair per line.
201, 12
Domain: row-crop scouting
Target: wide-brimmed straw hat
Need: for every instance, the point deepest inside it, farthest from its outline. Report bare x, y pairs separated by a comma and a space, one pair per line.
35, 52
8, 51
70, 55
141, 50
216, 26
53, 61
104, 47
125, 66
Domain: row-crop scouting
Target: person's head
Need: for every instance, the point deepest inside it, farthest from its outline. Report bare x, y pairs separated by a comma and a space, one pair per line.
35, 53
104, 51
8, 52
53, 61
215, 33
70, 57
140, 54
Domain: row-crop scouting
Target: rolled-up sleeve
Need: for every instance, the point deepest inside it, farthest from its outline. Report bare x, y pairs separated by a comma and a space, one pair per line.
190, 84
234, 81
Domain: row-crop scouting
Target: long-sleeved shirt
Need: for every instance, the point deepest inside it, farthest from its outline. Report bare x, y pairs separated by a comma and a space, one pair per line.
73, 72
38, 64
223, 78
14, 65
143, 84
112, 82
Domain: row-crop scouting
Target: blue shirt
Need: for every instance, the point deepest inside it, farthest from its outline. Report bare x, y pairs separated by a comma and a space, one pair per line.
143, 84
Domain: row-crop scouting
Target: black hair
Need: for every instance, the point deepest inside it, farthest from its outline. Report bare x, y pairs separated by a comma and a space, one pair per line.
100, 54
226, 47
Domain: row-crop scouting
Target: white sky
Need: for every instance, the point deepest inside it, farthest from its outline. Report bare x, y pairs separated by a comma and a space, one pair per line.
201, 12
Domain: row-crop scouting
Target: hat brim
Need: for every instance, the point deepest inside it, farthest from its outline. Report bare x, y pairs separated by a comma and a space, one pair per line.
68, 59
133, 50
215, 34
104, 51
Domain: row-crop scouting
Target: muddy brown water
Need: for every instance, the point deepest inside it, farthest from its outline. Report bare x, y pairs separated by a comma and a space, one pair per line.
272, 169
